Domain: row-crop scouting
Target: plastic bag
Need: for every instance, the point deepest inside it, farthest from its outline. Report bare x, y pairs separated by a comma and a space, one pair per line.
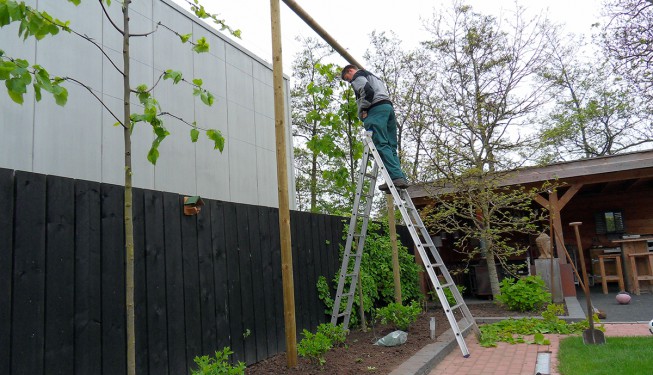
393, 339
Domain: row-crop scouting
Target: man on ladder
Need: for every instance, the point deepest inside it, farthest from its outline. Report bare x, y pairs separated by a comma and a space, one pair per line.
376, 112
380, 141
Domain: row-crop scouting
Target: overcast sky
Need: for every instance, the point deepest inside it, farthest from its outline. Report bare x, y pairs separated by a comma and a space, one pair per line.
351, 22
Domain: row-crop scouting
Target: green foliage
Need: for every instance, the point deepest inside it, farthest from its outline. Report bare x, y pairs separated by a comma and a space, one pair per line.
31, 21
314, 346
218, 365
17, 75
526, 294
513, 330
401, 317
200, 12
336, 334
376, 274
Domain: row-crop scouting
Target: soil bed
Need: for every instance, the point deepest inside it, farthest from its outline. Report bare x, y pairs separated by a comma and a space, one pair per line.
361, 356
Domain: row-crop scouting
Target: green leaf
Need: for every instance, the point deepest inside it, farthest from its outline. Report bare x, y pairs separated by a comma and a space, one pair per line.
174, 75
197, 82
37, 91
217, 138
194, 134
153, 155
207, 98
201, 45
184, 38
61, 97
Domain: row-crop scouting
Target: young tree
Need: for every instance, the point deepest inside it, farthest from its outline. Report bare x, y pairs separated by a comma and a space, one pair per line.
18, 74
596, 113
627, 37
485, 92
324, 126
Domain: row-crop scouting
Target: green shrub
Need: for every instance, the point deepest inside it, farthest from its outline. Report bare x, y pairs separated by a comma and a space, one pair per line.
526, 294
336, 334
447, 293
218, 365
377, 280
401, 317
314, 346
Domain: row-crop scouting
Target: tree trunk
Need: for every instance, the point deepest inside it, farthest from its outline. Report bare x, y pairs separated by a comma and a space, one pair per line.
129, 225
493, 275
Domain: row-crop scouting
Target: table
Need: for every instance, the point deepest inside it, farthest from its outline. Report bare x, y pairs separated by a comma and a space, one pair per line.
633, 246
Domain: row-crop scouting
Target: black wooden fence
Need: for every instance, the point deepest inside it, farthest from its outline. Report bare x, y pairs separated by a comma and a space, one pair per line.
202, 282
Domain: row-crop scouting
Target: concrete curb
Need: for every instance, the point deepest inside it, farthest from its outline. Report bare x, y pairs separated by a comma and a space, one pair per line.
422, 362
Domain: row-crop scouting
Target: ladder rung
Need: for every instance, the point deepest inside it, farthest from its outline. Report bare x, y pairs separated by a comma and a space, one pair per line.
342, 315
447, 285
370, 175
454, 307
351, 274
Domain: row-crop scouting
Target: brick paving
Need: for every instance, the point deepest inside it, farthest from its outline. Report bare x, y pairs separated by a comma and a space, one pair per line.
507, 359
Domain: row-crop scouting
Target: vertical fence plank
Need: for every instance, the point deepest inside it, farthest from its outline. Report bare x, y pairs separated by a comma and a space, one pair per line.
297, 243
245, 266
191, 288
29, 275
268, 280
220, 273
140, 280
174, 284
207, 283
60, 276
155, 282
275, 243
323, 269
6, 264
114, 357
313, 271
259, 331
88, 272
233, 275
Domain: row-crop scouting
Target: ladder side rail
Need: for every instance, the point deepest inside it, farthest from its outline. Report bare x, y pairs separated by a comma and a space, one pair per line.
438, 259
353, 226
359, 251
420, 248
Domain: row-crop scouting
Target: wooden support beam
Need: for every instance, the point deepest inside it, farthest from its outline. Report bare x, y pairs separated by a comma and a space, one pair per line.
395, 251
282, 181
321, 32
566, 197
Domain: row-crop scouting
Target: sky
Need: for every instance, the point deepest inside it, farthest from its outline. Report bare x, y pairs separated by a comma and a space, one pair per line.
351, 22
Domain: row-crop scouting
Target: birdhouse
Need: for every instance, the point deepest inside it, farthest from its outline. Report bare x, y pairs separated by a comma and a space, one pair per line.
193, 205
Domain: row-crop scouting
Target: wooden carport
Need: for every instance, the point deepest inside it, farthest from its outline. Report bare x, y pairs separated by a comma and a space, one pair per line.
585, 186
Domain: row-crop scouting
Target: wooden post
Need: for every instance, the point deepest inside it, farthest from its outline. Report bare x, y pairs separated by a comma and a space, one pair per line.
321, 32
282, 181
395, 252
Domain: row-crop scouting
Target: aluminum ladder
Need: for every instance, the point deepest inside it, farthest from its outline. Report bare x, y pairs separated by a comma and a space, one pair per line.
431, 259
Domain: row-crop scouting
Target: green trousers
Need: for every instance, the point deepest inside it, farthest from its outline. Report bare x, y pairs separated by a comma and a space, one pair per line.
382, 122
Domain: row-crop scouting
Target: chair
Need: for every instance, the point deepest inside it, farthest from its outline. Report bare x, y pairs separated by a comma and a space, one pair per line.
619, 277
633, 265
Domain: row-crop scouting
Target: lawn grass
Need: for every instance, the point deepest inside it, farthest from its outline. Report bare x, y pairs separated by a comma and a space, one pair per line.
619, 355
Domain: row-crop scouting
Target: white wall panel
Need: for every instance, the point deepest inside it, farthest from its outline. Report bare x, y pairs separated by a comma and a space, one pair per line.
16, 121
243, 184
265, 134
266, 173
80, 141
241, 123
